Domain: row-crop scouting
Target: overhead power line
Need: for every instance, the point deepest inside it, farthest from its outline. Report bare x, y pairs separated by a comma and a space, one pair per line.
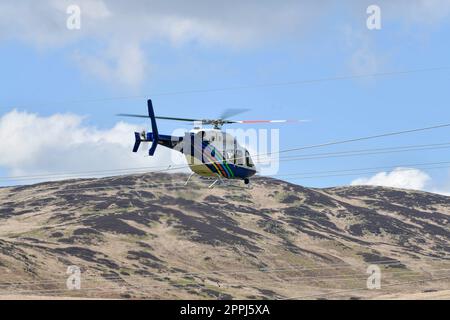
128, 284
365, 288
295, 176
364, 152
337, 142
383, 135
398, 167
250, 86
361, 173
348, 153
122, 286
274, 271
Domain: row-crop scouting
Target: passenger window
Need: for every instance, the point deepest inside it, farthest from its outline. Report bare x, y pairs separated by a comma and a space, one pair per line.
239, 159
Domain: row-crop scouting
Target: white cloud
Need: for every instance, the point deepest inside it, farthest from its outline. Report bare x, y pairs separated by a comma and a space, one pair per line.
428, 12
120, 64
406, 178
364, 56
400, 19
30, 144
121, 29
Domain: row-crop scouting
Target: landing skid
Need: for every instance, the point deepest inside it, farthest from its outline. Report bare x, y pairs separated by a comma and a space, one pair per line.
218, 180
229, 184
188, 179
213, 184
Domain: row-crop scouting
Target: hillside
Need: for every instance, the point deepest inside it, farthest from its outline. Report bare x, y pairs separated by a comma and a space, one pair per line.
149, 236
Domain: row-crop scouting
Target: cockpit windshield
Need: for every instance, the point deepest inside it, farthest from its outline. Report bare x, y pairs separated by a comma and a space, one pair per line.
248, 159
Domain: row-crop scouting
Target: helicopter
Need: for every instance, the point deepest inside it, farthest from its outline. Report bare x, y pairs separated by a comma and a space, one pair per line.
211, 152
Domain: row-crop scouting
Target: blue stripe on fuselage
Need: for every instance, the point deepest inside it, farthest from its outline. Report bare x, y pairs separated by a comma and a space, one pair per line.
241, 172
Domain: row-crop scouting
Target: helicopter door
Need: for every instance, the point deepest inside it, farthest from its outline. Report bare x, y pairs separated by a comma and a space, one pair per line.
230, 156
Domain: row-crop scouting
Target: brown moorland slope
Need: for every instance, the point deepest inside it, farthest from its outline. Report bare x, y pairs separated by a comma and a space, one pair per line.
149, 236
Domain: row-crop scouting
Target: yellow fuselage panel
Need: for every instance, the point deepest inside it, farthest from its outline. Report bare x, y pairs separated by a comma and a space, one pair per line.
198, 167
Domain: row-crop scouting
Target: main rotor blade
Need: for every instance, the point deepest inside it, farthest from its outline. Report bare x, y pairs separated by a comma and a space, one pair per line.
132, 115
228, 113
158, 117
179, 119
213, 121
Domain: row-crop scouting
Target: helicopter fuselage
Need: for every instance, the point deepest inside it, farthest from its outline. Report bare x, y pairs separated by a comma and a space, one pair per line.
209, 152
212, 153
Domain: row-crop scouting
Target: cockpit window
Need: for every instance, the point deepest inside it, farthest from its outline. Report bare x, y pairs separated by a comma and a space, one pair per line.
248, 159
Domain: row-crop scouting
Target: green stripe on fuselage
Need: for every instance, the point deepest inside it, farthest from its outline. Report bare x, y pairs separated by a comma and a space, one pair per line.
227, 168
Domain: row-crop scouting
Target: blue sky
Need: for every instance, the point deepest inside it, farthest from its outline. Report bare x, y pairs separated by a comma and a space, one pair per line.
147, 48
